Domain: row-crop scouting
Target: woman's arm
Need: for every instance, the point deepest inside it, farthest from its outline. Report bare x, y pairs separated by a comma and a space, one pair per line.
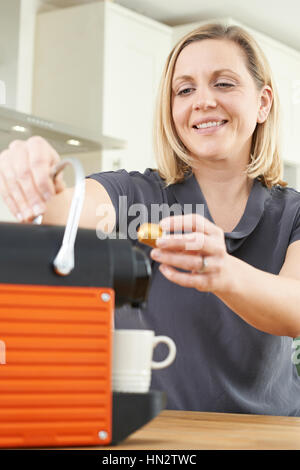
270, 303
28, 188
96, 199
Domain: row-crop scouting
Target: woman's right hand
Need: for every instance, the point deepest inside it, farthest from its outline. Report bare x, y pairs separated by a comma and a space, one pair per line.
26, 183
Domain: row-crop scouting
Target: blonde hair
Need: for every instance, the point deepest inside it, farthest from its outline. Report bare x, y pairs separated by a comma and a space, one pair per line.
172, 156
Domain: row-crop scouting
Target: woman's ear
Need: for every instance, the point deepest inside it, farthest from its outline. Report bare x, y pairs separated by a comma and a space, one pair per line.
266, 99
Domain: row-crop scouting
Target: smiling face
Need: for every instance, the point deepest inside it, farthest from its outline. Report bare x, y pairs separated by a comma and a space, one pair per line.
215, 102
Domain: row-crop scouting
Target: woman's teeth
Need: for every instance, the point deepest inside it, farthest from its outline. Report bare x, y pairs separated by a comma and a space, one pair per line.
210, 124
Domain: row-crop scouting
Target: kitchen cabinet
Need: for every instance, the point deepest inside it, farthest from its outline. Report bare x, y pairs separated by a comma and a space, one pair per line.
285, 64
97, 67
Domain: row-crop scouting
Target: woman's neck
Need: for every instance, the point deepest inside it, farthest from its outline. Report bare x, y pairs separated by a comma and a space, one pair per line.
226, 196
223, 186
224, 179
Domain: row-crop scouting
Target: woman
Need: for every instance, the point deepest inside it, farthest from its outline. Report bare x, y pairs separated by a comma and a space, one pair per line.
227, 289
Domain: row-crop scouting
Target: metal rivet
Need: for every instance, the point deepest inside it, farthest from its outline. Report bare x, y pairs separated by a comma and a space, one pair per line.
102, 435
105, 297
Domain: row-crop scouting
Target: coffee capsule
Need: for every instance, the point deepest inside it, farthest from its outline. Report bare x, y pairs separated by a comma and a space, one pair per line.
149, 233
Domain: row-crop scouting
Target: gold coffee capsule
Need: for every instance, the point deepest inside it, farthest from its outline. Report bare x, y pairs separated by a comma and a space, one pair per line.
148, 234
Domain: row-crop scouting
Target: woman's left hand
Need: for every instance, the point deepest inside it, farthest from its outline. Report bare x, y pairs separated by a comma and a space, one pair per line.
201, 252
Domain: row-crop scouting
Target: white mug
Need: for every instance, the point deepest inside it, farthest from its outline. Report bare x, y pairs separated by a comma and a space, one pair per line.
132, 359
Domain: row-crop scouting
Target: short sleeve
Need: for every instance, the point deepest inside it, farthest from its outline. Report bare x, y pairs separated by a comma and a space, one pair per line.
117, 183
295, 235
131, 193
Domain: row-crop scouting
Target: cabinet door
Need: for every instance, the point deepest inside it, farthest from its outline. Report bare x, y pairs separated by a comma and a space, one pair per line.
135, 51
68, 66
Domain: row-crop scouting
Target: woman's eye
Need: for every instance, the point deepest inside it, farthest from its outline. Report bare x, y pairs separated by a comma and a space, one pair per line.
185, 91
224, 85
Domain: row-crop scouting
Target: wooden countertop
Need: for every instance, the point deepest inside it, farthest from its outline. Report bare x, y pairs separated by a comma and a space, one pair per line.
196, 430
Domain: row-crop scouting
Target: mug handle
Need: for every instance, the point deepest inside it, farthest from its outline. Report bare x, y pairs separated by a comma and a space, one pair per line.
172, 352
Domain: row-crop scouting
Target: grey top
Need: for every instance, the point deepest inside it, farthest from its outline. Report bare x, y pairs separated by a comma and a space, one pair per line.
223, 364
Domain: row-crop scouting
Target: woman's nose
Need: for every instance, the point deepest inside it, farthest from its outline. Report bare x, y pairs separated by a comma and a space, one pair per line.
204, 100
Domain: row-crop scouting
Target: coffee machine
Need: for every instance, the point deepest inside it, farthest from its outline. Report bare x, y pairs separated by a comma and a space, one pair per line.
59, 287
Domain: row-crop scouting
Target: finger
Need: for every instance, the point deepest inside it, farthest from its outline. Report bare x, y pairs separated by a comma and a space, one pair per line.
213, 244
15, 143
59, 183
21, 168
185, 261
42, 157
8, 200
192, 242
13, 189
188, 223
202, 282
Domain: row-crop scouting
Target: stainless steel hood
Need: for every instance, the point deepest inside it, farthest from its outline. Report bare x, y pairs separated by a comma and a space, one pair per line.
65, 139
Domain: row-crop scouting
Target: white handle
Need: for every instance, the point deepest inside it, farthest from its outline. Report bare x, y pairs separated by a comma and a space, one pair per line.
172, 352
64, 260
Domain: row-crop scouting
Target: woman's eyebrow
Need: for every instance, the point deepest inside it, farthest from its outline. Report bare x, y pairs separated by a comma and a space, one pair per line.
219, 71
182, 77
214, 73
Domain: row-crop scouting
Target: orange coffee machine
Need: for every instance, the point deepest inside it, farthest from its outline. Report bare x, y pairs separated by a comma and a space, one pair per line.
59, 287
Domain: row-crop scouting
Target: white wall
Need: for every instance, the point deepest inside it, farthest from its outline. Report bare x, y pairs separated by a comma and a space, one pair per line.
9, 43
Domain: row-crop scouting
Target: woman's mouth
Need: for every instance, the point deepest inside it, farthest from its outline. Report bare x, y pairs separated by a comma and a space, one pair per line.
209, 127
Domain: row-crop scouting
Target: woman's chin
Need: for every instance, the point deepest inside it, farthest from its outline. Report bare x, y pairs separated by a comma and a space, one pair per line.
209, 155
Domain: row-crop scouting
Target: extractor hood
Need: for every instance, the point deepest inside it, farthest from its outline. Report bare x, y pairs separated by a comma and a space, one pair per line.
15, 125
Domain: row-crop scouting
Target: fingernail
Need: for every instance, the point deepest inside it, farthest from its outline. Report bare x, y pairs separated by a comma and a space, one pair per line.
164, 269
190, 236
27, 214
155, 253
19, 217
161, 242
46, 196
164, 225
37, 209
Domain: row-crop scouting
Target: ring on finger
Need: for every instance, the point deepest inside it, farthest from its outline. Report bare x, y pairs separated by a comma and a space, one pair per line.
203, 267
